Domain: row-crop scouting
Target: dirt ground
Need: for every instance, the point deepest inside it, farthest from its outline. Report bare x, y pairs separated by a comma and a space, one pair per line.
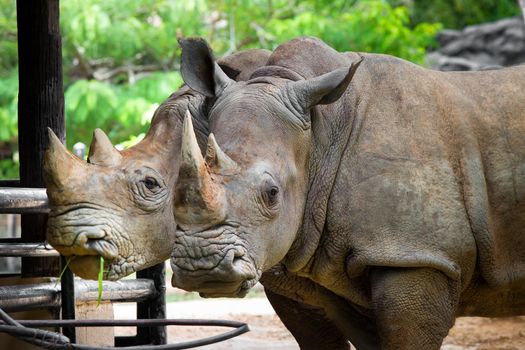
477, 333
267, 331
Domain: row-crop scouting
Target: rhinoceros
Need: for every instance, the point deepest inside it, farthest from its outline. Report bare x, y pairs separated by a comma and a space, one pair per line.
376, 200
119, 205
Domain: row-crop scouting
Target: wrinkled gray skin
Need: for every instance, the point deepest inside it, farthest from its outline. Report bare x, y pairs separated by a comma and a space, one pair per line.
400, 204
119, 205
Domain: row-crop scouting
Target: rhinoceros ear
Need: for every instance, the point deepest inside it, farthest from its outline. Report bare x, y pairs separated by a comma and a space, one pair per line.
199, 69
324, 89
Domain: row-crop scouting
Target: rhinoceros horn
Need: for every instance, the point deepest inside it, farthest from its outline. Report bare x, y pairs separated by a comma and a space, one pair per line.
199, 199
101, 151
217, 161
59, 164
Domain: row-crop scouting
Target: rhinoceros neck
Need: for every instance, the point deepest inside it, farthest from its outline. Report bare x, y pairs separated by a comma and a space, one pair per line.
335, 129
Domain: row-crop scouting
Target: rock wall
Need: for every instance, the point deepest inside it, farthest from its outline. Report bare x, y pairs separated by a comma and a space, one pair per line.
485, 46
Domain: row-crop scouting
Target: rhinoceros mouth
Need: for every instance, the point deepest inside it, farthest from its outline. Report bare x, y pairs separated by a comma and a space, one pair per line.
217, 289
88, 267
91, 246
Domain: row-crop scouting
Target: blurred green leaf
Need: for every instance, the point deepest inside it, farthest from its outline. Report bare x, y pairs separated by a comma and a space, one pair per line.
120, 56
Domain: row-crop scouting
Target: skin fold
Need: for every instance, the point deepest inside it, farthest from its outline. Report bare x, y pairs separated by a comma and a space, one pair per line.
374, 199
119, 204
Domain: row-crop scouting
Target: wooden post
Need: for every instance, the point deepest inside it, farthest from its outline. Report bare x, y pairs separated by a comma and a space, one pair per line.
40, 105
95, 336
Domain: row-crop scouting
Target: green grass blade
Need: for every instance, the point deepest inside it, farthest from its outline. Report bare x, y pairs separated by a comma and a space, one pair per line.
64, 269
100, 276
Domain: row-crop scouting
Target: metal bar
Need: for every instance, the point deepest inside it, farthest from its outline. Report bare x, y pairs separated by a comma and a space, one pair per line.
153, 308
44, 295
67, 295
130, 323
23, 200
27, 250
29, 296
116, 291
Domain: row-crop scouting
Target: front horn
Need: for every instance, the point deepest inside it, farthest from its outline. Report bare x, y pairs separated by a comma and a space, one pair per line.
198, 198
59, 164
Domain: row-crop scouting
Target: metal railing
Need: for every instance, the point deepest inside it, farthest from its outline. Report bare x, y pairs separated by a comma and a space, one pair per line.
148, 290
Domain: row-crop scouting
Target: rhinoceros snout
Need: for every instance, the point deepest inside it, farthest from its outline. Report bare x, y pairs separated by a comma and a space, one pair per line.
232, 274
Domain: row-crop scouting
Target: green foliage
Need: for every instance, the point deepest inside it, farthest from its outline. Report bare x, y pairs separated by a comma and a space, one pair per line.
125, 34
9, 169
372, 26
120, 57
8, 44
367, 25
457, 14
9, 105
121, 110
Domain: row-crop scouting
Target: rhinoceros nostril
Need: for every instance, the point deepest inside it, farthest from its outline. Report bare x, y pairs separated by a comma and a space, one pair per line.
237, 255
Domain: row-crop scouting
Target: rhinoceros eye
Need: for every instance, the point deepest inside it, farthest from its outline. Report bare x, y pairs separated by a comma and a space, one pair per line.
150, 183
271, 195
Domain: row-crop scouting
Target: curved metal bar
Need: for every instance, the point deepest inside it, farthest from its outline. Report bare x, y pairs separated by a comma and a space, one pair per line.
11, 326
131, 323
183, 345
53, 340
31, 333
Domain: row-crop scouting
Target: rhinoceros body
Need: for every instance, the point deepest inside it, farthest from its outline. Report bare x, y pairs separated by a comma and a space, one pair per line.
396, 196
119, 205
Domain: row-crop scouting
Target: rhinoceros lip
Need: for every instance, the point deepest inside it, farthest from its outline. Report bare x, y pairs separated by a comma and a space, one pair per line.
242, 289
219, 288
103, 247
92, 246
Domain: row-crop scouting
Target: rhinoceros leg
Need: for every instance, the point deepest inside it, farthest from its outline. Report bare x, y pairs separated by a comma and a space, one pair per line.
414, 307
310, 328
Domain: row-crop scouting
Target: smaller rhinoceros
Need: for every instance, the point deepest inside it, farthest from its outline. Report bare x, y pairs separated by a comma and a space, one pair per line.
119, 205
374, 199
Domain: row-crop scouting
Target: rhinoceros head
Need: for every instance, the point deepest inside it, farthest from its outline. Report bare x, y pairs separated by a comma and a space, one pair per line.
239, 208
118, 205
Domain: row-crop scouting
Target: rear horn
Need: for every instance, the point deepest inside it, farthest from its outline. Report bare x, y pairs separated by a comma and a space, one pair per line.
101, 151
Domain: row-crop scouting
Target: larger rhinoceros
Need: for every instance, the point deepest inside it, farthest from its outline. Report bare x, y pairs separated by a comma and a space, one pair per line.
377, 199
119, 205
